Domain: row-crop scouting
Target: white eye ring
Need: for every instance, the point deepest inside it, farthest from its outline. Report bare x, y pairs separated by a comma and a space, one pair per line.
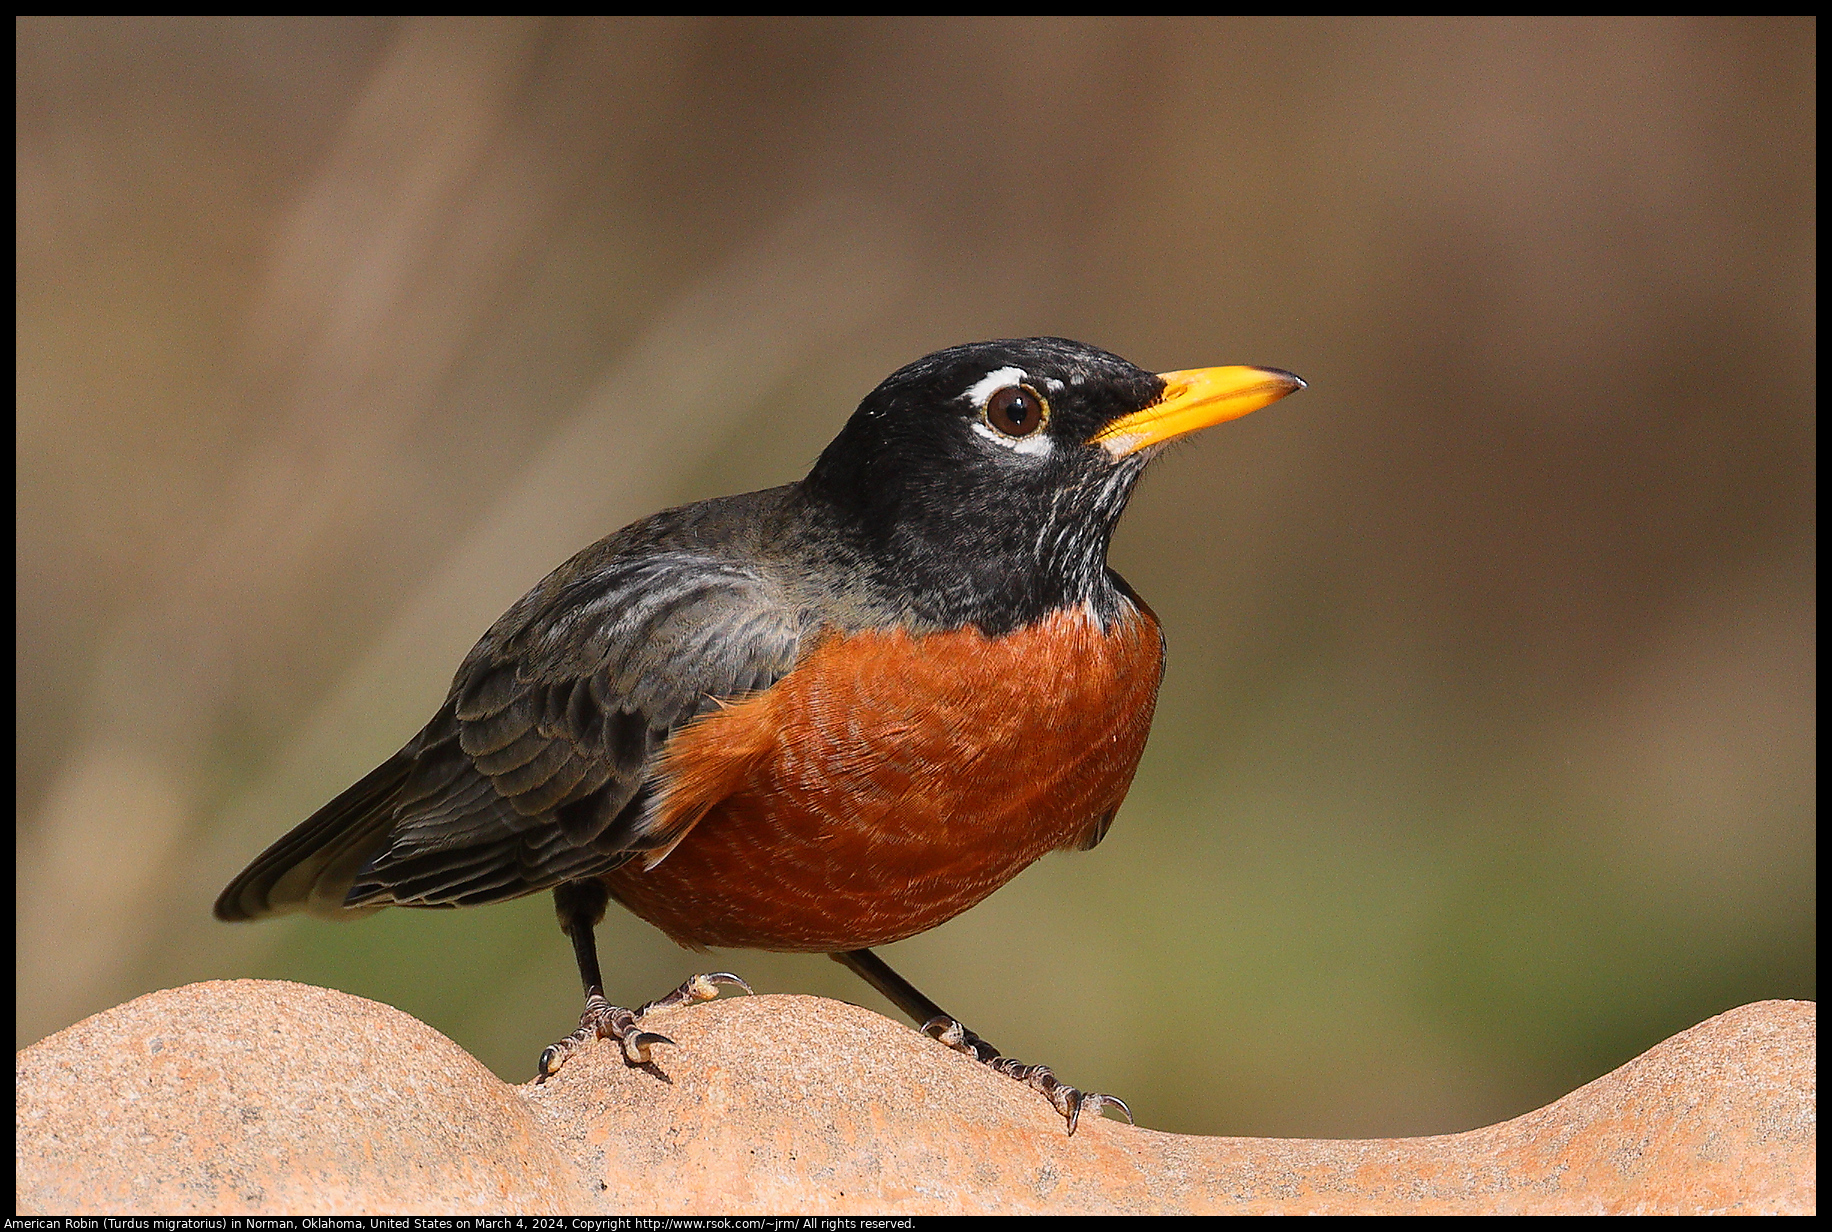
1035, 445
980, 393
992, 383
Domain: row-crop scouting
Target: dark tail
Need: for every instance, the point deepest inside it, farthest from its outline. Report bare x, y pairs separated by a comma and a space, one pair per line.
311, 868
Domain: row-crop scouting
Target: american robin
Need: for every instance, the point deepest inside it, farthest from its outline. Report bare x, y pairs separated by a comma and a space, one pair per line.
821, 717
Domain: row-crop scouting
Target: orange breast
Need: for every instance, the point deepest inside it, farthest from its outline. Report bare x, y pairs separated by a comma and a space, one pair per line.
892, 781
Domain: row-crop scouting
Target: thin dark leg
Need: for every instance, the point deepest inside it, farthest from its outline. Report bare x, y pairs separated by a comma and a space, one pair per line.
939, 1024
580, 906
897, 990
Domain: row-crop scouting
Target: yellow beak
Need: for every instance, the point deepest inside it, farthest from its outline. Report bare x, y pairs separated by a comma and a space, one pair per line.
1196, 398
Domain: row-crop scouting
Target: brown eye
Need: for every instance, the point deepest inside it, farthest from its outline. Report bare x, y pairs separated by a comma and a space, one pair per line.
1016, 410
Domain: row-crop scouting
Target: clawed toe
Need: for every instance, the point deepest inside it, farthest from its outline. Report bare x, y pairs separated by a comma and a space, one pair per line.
593, 1023
937, 1024
636, 1046
959, 1038
1069, 1102
696, 988
1092, 1102
602, 1020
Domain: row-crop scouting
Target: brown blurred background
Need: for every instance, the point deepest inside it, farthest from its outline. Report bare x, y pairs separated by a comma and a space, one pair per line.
1486, 755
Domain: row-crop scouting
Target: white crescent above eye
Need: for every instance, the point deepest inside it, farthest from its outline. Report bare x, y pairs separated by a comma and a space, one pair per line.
981, 391
992, 383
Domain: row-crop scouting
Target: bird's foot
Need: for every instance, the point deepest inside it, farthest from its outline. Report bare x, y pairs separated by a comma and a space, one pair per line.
1067, 1100
697, 988
602, 1020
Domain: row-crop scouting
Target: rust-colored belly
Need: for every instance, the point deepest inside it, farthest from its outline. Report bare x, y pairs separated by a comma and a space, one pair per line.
892, 781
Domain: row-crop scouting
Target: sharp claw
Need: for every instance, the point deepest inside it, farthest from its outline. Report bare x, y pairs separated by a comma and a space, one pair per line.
602, 1020
1093, 1103
636, 1047
1069, 1102
1112, 1101
706, 987
696, 988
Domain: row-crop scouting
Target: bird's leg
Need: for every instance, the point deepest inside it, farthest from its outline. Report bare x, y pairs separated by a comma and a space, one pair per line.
938, 1024
580, 905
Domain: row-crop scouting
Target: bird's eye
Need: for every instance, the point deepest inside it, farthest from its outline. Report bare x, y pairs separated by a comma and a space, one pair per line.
1017, 410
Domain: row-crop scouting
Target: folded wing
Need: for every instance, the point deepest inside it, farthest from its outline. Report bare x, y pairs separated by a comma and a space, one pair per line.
538, 768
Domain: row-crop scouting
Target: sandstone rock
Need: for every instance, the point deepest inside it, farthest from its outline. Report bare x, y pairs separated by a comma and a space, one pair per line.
254, 1097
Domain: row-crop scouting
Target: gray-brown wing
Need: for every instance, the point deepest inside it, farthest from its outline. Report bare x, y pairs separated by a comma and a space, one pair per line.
534, 770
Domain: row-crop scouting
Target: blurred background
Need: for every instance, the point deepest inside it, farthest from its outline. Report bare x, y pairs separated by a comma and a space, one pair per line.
1485, 759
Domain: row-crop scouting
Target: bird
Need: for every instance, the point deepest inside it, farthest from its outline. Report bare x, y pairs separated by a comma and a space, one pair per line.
820, 718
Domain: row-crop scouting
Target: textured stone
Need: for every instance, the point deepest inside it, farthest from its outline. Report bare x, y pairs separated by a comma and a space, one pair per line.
267, 1097
251, 1096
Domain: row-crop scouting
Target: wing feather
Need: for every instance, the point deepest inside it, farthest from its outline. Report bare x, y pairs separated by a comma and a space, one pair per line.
537, 769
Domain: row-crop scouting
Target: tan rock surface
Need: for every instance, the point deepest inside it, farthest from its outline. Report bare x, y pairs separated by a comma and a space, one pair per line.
248, 1096
268, 1097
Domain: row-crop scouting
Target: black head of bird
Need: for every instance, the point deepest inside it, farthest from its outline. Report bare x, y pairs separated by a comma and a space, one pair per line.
984, 481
